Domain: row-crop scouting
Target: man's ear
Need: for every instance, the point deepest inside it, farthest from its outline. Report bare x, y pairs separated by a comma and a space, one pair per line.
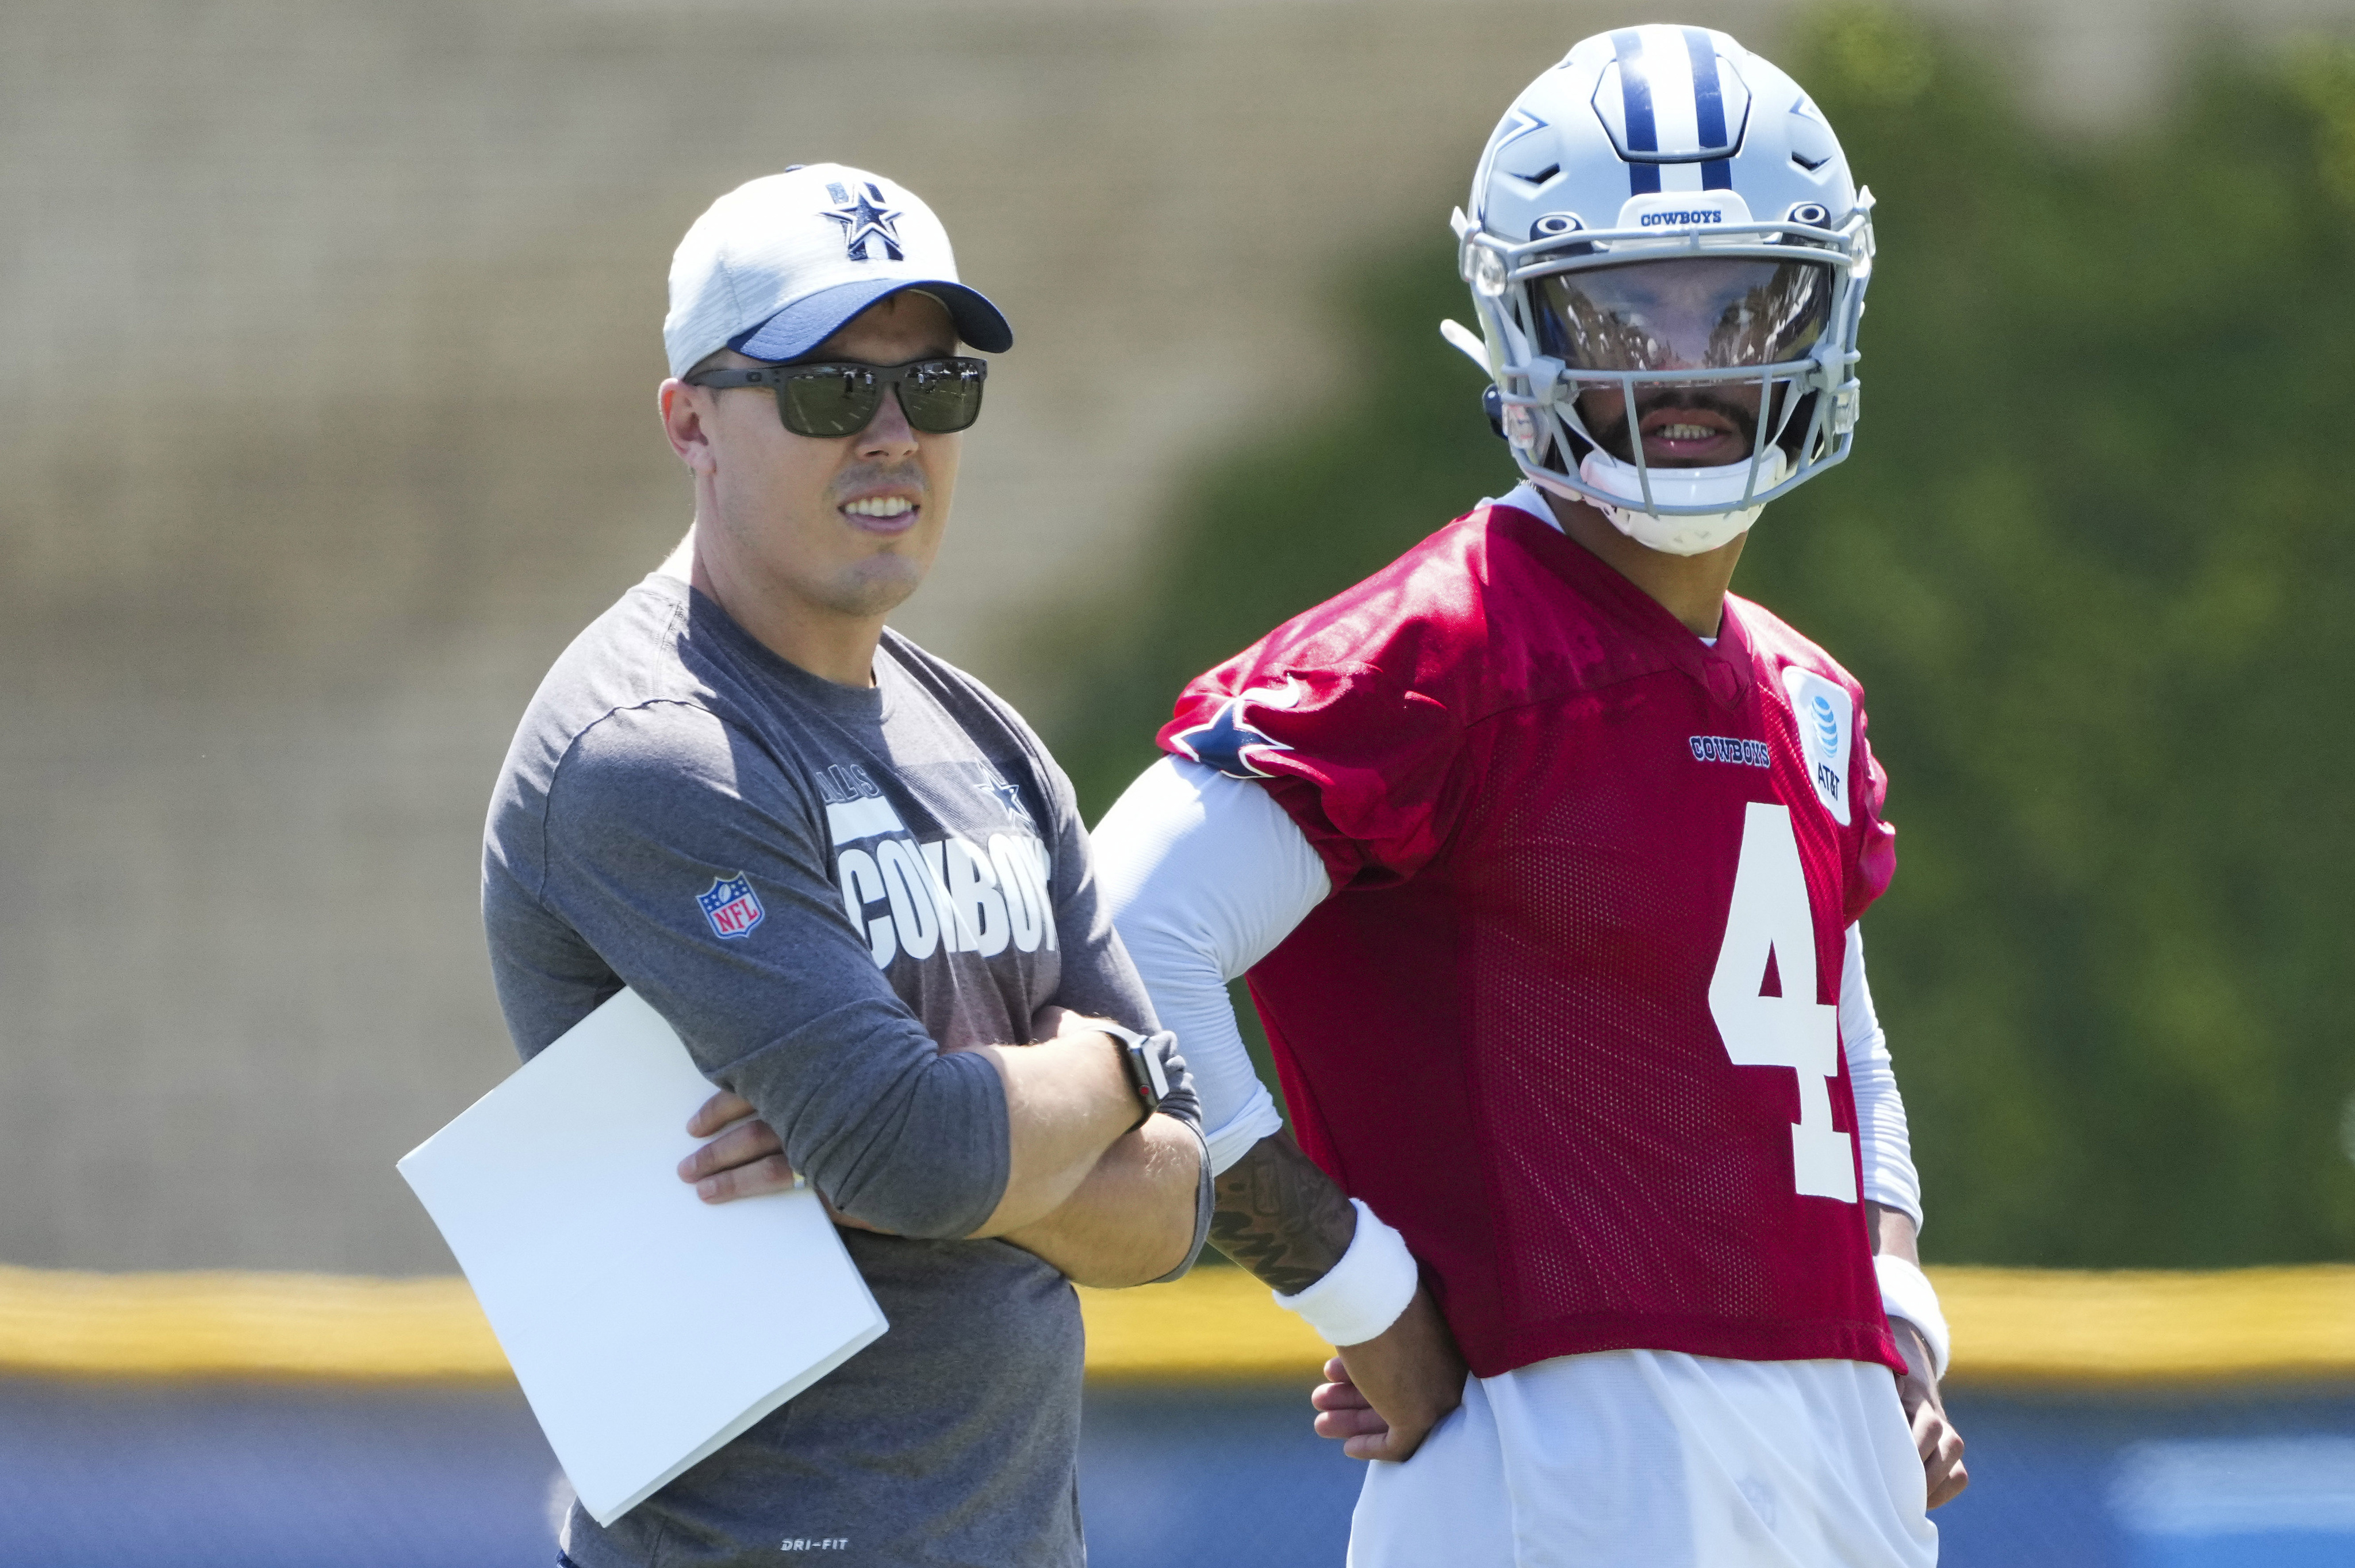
685, 410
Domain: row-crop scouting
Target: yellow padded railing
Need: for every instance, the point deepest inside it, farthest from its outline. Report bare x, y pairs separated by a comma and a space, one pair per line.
2010, 1326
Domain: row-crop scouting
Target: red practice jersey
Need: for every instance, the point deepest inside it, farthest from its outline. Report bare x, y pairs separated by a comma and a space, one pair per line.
1570, 1020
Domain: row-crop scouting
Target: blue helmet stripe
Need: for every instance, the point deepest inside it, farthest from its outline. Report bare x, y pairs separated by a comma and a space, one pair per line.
1635, 103
1708, 109
1708, 102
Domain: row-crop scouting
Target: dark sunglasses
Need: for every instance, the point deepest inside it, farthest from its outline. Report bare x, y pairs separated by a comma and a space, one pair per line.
939, 396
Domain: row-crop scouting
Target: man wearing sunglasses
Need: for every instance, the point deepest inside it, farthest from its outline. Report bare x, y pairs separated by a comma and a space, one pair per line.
857, 886
1544, 855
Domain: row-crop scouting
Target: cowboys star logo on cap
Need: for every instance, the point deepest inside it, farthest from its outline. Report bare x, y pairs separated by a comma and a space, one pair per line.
778, 265
864, 216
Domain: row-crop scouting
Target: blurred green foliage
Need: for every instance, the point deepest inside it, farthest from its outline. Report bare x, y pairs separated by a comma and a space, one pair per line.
2093, 561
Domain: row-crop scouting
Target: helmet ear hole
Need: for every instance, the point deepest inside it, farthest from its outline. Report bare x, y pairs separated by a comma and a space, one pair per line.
1492, 404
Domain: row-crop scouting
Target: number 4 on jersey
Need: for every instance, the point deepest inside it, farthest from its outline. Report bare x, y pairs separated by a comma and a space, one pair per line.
1770, 916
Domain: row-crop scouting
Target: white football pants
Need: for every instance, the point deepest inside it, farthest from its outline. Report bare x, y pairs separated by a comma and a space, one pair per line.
1652, 1459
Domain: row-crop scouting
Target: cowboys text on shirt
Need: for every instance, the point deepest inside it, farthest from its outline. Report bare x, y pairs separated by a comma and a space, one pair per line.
945, 894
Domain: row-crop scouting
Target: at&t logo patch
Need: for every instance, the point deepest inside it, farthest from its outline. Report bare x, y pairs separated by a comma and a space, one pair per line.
730, 906
1826, 720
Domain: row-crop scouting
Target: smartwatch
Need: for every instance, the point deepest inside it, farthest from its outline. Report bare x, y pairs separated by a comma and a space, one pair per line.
1142, 1065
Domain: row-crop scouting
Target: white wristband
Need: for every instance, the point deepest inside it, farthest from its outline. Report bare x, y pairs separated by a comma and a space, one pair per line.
1905, 1292
1364, 1292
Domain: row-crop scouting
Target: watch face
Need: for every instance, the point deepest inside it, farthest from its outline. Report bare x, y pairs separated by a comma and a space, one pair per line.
1153, 1071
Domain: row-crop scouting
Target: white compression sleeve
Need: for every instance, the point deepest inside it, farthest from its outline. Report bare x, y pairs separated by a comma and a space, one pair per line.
1204, 874
1887, 1152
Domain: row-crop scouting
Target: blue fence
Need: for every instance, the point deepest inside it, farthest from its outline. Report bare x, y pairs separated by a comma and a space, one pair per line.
304, 1476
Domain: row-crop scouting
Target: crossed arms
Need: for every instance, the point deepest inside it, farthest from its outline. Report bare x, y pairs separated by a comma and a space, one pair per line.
1026, 1141
1106, 1205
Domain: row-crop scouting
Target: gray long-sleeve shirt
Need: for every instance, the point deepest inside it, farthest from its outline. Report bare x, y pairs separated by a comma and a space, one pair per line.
818, 886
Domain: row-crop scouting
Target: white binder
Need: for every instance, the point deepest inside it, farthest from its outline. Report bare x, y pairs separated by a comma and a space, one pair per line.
646, 1327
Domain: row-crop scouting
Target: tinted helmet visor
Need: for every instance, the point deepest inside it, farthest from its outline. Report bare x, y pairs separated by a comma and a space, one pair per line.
1683, 313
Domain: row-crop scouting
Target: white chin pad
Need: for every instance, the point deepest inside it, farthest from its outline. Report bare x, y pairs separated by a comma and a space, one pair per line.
1689, 533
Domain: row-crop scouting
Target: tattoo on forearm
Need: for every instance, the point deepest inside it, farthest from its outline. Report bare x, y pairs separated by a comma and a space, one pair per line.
1278, 1215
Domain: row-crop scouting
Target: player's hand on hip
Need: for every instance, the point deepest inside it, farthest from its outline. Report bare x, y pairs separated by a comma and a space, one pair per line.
1934, 1437
1386, 1394
745, 1160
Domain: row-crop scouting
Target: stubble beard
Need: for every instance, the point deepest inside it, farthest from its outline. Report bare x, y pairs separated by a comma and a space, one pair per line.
874, 587
1617, 439
878, 583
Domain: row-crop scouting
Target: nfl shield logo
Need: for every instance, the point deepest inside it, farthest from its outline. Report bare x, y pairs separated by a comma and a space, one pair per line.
730, 907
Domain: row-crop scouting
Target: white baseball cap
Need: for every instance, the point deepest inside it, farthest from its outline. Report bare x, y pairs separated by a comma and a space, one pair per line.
775, 267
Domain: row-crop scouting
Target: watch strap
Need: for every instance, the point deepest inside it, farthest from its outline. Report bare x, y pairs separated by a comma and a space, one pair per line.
1141, 1064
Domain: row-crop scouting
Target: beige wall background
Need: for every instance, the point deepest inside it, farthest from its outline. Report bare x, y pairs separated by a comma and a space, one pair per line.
328, 338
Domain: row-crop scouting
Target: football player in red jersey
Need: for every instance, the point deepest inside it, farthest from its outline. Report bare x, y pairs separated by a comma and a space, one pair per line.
1544, 856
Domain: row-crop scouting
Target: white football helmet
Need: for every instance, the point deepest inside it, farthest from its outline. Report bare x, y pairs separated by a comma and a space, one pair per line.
1666, 250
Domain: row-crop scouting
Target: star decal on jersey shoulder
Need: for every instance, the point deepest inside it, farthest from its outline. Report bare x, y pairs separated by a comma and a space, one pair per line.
863, 217
1226, 739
